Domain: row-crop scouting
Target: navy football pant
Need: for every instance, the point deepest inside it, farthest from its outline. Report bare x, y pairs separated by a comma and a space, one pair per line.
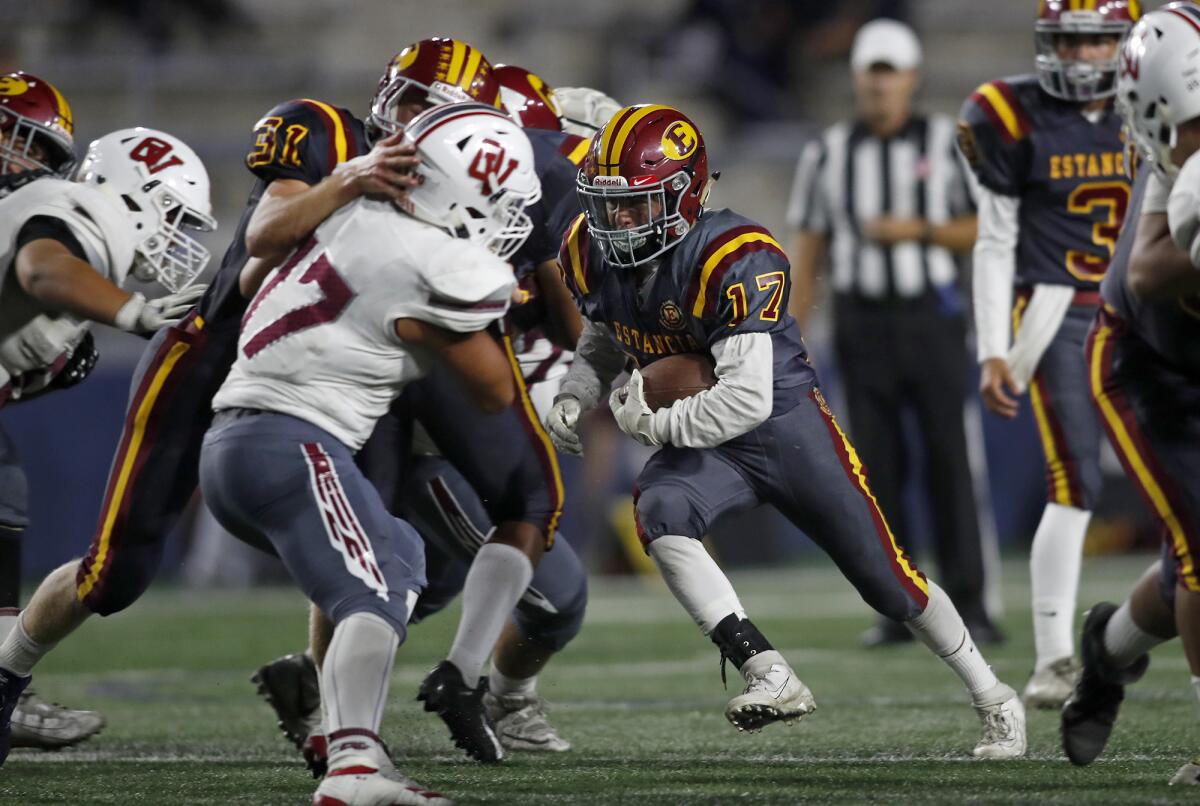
1151, 413
1062, 407
272, 478
801, 463
454, 524
14, 517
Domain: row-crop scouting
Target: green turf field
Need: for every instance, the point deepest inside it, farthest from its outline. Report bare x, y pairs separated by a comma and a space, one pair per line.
638, 693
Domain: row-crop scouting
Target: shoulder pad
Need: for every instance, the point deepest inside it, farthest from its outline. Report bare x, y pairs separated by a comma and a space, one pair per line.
728, 243
993, 131
574, 257
301, 139
574, 148
94, 217
469, 287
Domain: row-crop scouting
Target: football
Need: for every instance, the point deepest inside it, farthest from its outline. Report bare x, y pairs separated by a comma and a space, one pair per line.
676, 377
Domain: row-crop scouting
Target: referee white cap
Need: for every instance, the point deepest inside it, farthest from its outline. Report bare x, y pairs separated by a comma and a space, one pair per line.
885, 41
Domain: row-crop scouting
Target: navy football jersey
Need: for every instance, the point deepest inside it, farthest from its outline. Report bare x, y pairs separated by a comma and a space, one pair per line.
301, 139
1068, 173
1170, 327
727, 276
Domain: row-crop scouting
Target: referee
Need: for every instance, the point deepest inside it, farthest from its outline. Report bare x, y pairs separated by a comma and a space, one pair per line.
883, 197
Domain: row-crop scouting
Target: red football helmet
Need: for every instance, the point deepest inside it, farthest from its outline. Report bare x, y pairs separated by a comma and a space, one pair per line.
430, 73
643, 182
1080, 79
528, 99
36, 128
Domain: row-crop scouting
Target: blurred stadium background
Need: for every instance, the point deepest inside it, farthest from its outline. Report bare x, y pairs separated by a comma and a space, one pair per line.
759, 76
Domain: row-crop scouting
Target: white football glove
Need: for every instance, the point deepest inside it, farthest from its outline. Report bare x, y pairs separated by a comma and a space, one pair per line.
562, 422
141, 316
629, 409
1183, 209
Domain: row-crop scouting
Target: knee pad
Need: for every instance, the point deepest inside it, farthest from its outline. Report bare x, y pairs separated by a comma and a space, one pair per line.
664, 509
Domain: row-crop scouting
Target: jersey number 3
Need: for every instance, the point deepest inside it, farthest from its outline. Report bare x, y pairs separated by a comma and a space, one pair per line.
335, 296
1113, 198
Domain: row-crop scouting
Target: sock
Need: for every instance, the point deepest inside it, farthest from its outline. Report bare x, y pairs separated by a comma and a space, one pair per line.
697, 581
500, 684
10, 566
941, 629
18, 652
1054, 562
355, 678
499, 575
8, 620
1124, 640
1196, 684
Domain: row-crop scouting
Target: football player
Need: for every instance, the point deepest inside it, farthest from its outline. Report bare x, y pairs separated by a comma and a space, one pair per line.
656, 274
70, 246
1144, 359
450, 515
396, 290
1048, 154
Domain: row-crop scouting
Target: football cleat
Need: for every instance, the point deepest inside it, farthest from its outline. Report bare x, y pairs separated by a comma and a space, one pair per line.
1049, 688
773, 693
521, 723
11, 687
49, 726
364, 784
445, 693
1091, 710
1003, 718
1188, 774
291, 686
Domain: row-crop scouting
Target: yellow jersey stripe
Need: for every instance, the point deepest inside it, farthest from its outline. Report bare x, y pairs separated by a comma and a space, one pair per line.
128, 461
458, 55
579, 152
340, 142
573, 255
547, 446
618, 140
473, 58
1187, 563
1003, 109
715, 260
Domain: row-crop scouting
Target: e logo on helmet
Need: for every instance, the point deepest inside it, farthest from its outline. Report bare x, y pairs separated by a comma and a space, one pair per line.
13, 85
406, 57
679, 140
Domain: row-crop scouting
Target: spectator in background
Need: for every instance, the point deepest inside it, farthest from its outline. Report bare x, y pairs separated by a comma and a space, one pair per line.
884, 196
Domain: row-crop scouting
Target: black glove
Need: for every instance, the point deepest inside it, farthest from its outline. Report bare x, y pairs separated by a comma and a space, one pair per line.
80, 364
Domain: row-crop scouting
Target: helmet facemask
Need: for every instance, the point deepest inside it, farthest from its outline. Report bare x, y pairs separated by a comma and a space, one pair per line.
21, 139
384, 120
665, 226
168, 254
1078, 80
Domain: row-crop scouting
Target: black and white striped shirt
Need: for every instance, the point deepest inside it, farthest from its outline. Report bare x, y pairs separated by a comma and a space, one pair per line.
848, 177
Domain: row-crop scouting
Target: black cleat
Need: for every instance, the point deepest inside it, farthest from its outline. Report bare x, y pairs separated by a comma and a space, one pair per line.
11, 686
1090, 712
445, 693
291, 687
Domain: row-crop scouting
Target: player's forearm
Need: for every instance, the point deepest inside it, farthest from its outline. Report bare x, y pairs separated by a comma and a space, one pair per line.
1158, 269
563, 322
958, 235
740, 402
807, 252
289, 212
62, 282
598, 361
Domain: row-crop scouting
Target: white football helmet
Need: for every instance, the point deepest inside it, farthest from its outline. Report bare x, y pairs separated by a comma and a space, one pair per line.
1156, 86
477, 167
584, 111
164, 187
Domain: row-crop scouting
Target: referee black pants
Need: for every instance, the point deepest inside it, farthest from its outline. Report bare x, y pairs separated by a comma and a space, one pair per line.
912, 355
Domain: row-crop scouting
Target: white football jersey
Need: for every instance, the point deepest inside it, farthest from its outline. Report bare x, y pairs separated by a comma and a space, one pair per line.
31, 338
318, 341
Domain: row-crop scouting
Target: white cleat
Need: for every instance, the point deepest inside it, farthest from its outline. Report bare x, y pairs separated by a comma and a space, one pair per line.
521, 723
50, 726
1188, 775
365, 784
1049, 688
773, 694
1003, 718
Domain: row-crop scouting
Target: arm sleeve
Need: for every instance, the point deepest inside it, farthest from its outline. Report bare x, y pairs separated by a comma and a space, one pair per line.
808, 207
295, 140
995, 266
48, 228
740, 401
598, 361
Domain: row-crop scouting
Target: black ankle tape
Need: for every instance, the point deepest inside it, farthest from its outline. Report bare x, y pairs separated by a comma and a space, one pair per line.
738, 640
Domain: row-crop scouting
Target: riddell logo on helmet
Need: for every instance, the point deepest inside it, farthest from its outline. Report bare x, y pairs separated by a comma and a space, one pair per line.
610, 182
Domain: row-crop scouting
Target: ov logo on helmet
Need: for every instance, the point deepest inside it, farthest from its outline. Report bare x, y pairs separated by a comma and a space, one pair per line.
489, 166
151, 153
679, 140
